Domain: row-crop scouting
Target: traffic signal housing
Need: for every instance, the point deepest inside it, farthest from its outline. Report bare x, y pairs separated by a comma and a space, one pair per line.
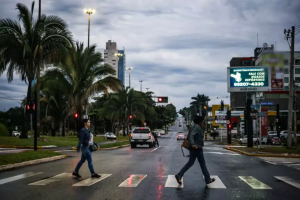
162, 100
76, 115
130, 116
229, 126
30, 107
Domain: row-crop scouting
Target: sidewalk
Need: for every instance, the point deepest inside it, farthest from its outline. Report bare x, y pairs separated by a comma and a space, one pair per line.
261, 152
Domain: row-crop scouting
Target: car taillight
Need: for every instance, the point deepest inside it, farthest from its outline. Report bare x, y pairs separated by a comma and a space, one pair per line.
272, 139
149, 136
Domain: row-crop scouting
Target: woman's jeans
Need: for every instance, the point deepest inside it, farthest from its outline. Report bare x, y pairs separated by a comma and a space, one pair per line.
86, 155
196, 153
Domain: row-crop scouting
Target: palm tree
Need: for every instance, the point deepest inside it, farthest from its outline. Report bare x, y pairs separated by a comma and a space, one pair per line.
199, 102
30, 43
82, 74
122, 104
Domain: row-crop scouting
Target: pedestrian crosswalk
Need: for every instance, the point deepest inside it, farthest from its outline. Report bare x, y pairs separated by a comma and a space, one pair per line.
134, 180
288, 162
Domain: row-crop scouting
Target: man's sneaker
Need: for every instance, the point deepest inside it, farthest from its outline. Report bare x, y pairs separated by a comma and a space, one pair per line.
76, 174
96, 176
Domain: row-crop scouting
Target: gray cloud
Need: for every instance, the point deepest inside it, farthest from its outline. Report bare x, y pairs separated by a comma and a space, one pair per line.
178, 48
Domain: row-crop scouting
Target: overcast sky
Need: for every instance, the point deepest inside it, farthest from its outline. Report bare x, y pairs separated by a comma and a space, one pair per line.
178, 48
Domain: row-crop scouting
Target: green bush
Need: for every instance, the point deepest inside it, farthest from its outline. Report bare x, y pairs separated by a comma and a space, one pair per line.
3, 130
214, 134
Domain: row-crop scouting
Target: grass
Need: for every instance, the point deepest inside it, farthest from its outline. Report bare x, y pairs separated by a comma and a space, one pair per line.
279, 150
114, 144
48, 140
25, 156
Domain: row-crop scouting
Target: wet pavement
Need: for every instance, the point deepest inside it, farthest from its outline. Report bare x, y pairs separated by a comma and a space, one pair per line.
147, 173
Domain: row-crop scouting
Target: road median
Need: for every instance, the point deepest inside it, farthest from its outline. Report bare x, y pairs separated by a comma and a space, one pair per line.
267, 152
10, 161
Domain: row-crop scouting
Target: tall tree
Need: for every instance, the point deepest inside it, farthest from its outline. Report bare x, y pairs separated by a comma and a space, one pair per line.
28, 43
83, 75
199, 102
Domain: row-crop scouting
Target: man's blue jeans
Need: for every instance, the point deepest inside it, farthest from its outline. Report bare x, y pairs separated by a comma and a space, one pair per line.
196, 153
86, 155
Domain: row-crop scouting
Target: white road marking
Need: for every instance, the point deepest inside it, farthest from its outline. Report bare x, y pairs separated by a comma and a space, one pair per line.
133, 181
235, 154
18, 177
271, 162
217, 183
155, 149
51, 179
289, 180
172, 182
91, 181
254, 183
173, 136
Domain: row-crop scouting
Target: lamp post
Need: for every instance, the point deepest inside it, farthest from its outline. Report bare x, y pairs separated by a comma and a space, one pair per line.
147, 89
118, 55
129, 69
89, 12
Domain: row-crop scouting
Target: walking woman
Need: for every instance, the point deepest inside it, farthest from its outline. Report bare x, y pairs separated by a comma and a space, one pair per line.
195, 139
85, 140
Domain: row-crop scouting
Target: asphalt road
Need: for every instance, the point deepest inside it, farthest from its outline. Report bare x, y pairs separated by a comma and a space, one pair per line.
143, 173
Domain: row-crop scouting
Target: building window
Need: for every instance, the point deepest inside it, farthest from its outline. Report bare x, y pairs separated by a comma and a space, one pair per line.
286, 79
114, 60
286, 61
276, 96
286, 71
114, 63
297, 61
298, 88
286, 88
297, 79
297, 70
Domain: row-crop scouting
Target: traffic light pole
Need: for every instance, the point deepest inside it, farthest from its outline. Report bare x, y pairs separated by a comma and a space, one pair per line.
229, 127
35, 123
277, 121
249, 124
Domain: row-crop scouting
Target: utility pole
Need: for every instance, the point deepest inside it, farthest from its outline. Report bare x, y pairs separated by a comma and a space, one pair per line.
291, 34
141, 81
147, 89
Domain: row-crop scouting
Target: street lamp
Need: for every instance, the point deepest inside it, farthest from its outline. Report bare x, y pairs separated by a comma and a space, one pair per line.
118, 55
141, 81
89, 12
129, 69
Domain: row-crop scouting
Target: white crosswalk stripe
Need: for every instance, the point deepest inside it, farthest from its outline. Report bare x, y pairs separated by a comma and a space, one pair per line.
288, 162
91, 181
171, 182
51, 179
289, 180
133, 181
254, 183
217, 183
18, 177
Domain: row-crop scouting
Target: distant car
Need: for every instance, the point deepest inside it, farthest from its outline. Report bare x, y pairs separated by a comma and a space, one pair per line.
244, 139
272, 140
141, 136
180, 136
272, 133
16, 133
283, 134
110, 136
157, 133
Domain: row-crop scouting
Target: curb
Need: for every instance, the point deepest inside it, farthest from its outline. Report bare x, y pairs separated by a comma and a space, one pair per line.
263, 155
31, 162
117, 147
27, 147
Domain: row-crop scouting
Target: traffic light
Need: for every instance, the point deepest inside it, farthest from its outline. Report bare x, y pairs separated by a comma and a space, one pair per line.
30, 107
162, 100
229, 126
130, 116
204, 107
76, 115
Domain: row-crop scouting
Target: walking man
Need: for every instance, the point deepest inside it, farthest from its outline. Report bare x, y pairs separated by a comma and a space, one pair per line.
85, 137
195, 140
155, 137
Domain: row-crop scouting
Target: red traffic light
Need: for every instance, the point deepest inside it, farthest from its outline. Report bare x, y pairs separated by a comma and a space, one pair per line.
130, 116
229, 126
76, 115
27, 107
159, 99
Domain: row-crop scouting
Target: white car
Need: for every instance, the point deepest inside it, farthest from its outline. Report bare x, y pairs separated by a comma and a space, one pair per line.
16, 133
141, 136
110, 136
283, 134
162, 132
244, 139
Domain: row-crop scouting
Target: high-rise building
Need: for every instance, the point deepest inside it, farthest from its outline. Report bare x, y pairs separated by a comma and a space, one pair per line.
122, 66
110, 58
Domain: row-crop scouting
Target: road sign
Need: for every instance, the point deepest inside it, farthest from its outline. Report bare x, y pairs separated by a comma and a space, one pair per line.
262, 114
227, 121
220, 122
267, 103
254, 106
253, 115
210, 118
